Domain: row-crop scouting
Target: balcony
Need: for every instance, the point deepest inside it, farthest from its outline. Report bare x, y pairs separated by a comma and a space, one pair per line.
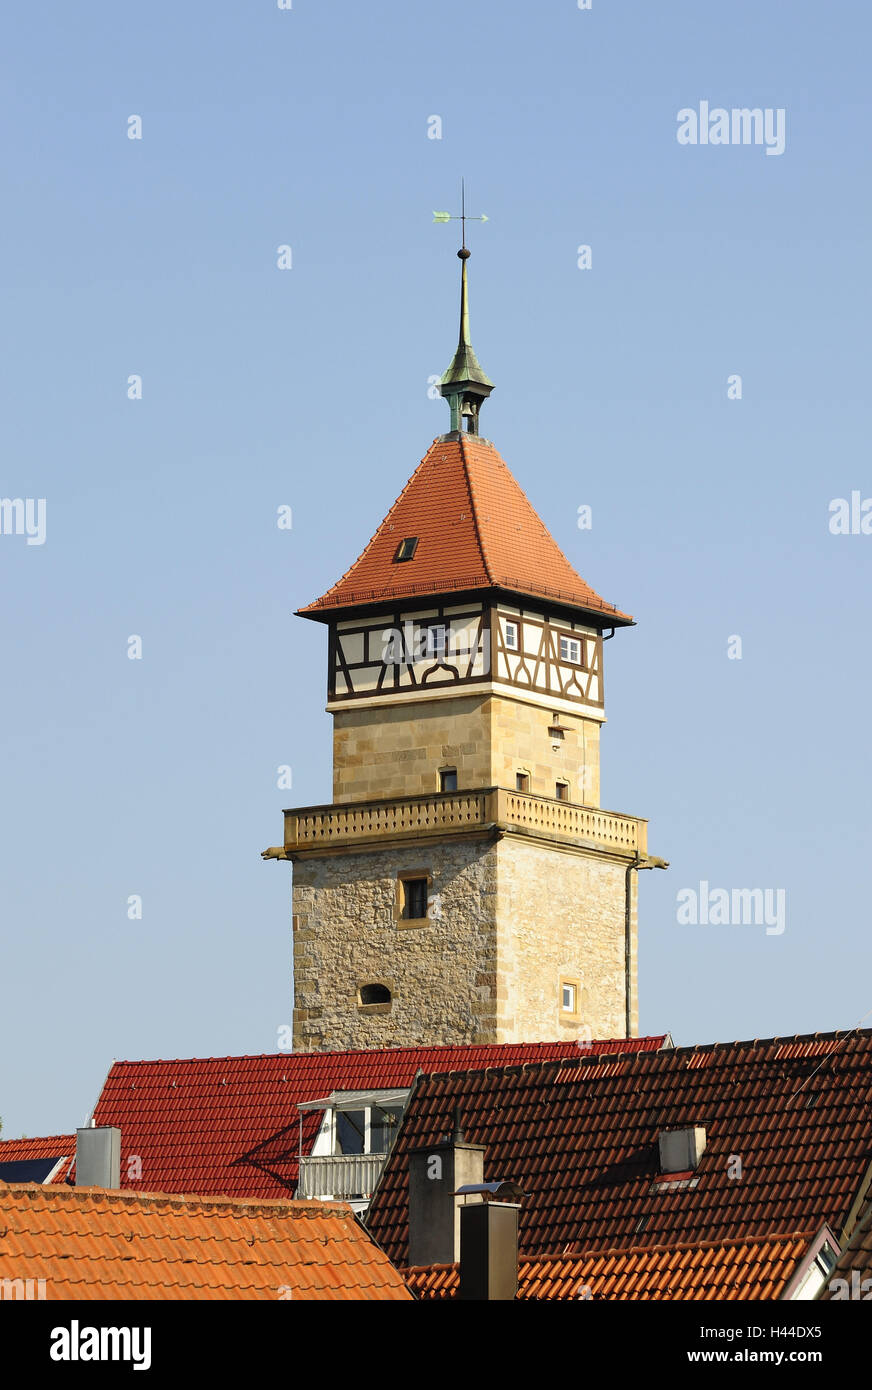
340, 1175
445, 814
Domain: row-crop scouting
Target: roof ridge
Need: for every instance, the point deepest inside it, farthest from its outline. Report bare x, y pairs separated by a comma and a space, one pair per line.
129, 1197
474, 507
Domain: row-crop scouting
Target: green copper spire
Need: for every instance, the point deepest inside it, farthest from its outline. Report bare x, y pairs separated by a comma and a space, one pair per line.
464, 385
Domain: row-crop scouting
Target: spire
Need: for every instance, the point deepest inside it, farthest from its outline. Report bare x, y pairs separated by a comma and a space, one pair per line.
464, 385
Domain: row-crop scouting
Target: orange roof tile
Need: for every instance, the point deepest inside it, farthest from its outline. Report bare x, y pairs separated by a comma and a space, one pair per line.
87, 1243
731, 1270
475, 529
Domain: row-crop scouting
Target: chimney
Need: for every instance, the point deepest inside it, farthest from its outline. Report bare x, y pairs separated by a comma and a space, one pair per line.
435, 1174
489, 1242
681, 1149
98, 1157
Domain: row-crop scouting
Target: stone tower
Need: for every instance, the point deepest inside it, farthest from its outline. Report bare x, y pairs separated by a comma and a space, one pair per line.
463, 886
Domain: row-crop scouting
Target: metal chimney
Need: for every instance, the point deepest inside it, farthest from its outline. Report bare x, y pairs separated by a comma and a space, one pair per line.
98, 1157
489, 1242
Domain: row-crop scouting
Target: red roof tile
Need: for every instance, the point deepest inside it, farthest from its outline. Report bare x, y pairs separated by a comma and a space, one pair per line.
87, 1243
231, 1125
583, 1145
475, 530
731, 1270
59, 1146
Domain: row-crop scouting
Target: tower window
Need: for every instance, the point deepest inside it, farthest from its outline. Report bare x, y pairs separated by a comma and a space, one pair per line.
435, 641
522, 781
412, 896
569, 992
448, 779
373, 994
570, 650
512, 636
561, 791
406, 548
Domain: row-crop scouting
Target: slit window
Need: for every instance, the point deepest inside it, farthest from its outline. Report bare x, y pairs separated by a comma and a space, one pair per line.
561, 791
569, 997
522, 781
406, 548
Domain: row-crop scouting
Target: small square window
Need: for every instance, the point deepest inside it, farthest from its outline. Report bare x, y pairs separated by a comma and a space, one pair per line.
448, 779
568, 997
561, 791
522, 781
435, 643
406, 548
512, 636
570, 650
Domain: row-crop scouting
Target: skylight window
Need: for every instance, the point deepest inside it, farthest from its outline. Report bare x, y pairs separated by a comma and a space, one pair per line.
406, 548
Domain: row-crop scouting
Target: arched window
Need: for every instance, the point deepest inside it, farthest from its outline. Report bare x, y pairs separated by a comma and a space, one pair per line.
375, 994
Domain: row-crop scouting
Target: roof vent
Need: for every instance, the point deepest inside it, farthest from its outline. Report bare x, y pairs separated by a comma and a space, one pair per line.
681, 1149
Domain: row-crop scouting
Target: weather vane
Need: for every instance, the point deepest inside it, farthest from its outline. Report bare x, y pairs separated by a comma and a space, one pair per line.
463, 218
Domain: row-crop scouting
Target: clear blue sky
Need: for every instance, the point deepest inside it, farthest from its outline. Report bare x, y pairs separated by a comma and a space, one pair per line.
309, 388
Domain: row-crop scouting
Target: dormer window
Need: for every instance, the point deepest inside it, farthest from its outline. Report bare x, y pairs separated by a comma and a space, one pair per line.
406, 548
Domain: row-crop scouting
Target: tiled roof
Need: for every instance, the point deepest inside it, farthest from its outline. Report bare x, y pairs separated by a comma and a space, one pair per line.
720, 1269
475, 530
855, 1262
230, 1124
789, 1142
59, 1146
88, 1243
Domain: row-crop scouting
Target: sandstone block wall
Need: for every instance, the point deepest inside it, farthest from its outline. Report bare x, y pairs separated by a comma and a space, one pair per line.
559, 916
399, 749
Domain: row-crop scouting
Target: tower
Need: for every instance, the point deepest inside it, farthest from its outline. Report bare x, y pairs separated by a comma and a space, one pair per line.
464, 884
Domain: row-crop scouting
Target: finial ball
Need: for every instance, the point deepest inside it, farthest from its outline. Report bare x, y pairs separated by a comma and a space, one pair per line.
464, 254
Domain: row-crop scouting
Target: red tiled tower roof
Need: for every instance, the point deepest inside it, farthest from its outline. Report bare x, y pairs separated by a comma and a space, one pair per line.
475, 529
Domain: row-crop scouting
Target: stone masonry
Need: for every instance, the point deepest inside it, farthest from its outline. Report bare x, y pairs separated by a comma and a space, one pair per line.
510, 917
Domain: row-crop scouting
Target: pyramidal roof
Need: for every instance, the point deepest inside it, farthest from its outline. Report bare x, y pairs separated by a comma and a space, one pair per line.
475, 529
